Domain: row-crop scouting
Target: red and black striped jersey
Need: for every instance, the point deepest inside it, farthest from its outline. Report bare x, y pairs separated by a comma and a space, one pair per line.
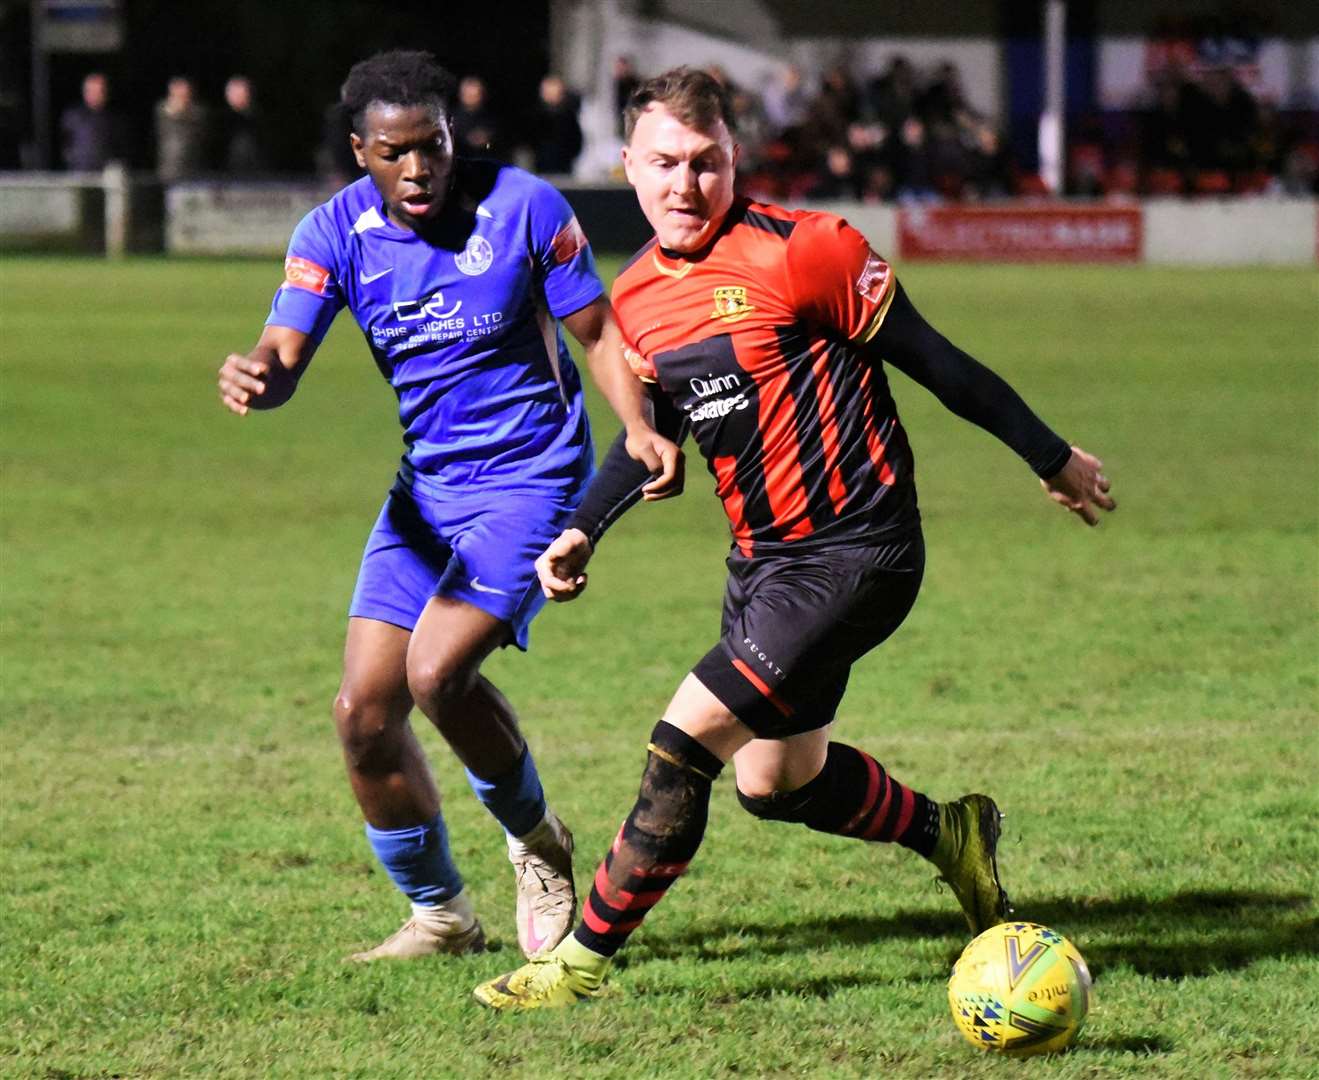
758, 341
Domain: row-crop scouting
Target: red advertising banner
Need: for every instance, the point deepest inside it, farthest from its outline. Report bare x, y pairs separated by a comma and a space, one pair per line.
1057, 233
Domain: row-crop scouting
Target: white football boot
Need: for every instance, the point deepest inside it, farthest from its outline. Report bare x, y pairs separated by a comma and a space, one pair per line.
547, 902
450, 927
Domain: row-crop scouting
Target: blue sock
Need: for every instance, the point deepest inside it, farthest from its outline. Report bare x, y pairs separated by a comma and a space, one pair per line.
417, 860
515, 798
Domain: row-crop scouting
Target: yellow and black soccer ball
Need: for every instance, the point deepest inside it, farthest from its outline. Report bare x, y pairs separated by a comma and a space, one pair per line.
1020, 989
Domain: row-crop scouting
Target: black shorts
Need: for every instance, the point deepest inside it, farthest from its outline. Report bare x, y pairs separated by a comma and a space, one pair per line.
794, 625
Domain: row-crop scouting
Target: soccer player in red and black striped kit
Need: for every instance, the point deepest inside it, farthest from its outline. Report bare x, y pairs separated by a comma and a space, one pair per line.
763, 333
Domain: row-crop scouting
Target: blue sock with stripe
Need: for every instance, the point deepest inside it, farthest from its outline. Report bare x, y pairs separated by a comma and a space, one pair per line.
418, 861
515, 797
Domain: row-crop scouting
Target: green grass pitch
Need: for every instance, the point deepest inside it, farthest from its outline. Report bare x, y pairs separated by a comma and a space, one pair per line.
183, 866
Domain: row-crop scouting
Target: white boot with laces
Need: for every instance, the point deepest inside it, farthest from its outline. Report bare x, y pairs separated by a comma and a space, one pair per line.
448, 927
547, 902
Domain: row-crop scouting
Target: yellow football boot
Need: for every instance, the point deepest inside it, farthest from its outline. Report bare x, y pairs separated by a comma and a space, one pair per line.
966, 855
571, 973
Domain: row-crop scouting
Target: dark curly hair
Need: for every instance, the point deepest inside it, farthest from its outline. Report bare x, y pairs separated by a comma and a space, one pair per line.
399, 77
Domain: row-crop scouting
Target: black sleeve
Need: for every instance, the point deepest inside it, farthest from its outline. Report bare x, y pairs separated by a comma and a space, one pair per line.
965, 386
617, 484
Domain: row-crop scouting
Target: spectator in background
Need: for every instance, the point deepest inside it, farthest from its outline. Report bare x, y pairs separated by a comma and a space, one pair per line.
988, 172
945, 157
558, 138
834, 109
891, 97
839, 179
1267, 147
786, 101
476, 128
1300, 168
182, 132
877, 184
1087, 160
243, 140
1224, 125
943, 111
1165, 134
942, 99
753, 131
335, 162
14, 139
910, 162
91, 134
625, 81
867, 143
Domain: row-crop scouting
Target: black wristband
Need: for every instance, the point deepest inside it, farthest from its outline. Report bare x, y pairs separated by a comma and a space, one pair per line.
1054, 465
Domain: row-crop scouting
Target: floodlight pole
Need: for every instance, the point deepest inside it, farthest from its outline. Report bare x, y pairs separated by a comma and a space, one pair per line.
1052, 135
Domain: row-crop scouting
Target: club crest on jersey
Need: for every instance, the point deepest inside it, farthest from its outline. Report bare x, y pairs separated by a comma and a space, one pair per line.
476, 257
730, 303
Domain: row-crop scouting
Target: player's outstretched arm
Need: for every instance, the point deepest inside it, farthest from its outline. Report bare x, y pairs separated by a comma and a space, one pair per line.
266, 377
965, 386
562, 566
595, 328
1081, 486
1072, 478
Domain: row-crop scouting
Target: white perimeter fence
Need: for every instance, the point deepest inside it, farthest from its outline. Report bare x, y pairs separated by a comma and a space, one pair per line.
117, 213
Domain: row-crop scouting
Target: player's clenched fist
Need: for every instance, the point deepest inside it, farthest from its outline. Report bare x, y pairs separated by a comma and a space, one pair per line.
241, 379
562, 565
664, 459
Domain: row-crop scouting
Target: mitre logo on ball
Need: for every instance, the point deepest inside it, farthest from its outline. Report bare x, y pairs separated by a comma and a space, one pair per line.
1020, 989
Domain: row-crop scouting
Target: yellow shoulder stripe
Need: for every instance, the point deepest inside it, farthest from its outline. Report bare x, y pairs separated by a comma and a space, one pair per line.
878, 320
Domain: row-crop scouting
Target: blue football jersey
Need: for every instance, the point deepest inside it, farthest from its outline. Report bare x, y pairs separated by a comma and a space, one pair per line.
462, 323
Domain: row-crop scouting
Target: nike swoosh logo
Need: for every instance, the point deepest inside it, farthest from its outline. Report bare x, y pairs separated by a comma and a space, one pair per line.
476, 584
534, 943
366, 278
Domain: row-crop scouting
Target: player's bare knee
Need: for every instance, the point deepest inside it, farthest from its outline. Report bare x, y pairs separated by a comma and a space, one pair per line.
438, 686
367, 732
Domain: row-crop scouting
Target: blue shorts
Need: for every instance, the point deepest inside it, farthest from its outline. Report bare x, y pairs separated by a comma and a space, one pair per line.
481, 550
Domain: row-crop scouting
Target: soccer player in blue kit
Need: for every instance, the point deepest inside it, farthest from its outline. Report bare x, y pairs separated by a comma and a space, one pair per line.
456, 272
